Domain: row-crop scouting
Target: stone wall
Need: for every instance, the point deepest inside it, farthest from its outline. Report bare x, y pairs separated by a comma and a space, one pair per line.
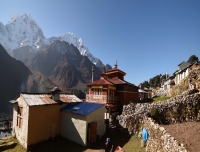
159, 139
161, 92
182, 108
194, 77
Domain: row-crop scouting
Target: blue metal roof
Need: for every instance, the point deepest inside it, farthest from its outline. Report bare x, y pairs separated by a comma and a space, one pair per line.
83, 108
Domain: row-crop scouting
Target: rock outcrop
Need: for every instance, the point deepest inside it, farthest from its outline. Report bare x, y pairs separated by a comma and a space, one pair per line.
194, 77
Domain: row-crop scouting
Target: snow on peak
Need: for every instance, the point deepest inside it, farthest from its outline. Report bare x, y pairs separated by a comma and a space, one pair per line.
12, 19
22, 30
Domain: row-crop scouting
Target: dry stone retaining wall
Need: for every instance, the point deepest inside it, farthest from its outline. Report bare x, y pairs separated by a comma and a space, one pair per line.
159, 139
185, 107
161, 92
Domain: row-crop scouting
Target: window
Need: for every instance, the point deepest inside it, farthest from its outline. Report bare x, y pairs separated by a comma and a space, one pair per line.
19, 116
110, 92
97, 91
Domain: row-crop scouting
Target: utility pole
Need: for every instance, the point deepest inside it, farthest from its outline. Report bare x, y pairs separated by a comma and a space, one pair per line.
92, 73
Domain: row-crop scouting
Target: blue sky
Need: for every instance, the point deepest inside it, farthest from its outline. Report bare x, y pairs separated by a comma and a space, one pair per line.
145, 36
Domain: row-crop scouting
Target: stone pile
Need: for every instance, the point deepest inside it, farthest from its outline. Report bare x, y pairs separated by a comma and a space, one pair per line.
161, 92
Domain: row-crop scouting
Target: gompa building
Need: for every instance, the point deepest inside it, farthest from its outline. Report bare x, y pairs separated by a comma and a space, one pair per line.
112, 90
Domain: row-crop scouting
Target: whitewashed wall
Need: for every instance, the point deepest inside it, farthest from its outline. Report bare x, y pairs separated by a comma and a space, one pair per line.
98, 116
21, 133
73, 127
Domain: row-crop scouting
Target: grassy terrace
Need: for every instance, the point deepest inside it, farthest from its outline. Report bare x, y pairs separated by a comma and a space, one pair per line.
129, 143
157, 99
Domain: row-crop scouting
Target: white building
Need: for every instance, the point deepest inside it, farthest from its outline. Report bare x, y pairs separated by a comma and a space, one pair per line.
182, 72
83, 122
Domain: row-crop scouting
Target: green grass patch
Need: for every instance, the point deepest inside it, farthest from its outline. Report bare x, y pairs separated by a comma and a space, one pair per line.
128, 143
134, 145
158, 99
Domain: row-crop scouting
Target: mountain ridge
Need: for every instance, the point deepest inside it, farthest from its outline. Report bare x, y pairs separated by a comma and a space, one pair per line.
22, 30
64, 65
15, 77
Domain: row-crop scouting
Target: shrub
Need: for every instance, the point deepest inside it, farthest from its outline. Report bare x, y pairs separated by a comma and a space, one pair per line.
155, 114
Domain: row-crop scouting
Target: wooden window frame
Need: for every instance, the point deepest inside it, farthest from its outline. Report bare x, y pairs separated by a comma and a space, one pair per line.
20, 116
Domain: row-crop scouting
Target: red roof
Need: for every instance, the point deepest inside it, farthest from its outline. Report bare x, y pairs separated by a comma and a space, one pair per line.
112, 81
131, 84
115, 70
102, 81
116, 80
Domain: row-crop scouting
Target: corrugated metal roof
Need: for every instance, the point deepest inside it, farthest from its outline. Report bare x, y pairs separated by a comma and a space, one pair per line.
45, 99
83, 108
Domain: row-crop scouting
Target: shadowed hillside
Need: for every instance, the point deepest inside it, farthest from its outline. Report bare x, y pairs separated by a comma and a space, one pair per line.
15, 77
65, 66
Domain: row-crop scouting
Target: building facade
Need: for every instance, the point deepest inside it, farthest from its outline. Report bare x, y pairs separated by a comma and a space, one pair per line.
37, 117
182, 72
83, 122
112, 90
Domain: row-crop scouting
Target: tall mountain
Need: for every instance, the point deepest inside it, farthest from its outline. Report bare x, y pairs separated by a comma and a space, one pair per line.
22, 30
15, 77
64, 65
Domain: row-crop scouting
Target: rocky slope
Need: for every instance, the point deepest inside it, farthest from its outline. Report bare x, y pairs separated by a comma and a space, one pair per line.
64, 65
194, 77
15, 77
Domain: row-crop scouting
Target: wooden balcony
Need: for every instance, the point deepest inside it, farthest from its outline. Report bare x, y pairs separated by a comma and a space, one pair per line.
102, 98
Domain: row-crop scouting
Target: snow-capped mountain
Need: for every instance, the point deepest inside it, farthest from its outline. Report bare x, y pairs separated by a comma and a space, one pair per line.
72, 39
22, 30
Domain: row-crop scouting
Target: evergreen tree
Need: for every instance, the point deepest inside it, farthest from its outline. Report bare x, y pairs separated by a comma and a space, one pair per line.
192, 59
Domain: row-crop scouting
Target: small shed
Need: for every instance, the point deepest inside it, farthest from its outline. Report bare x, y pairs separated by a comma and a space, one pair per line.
83, 122
142, 94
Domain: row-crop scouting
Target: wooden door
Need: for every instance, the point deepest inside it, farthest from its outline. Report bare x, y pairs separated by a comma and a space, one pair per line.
93, 131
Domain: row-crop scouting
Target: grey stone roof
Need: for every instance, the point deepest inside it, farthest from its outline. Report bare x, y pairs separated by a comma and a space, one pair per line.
183, 65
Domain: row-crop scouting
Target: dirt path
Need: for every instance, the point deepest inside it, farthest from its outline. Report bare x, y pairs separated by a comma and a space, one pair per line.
187, 133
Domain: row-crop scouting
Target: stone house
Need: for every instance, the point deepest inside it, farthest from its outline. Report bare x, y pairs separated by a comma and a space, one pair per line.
37, 117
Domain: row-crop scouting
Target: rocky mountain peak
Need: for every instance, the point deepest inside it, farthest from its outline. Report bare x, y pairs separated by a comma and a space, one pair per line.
22, 30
